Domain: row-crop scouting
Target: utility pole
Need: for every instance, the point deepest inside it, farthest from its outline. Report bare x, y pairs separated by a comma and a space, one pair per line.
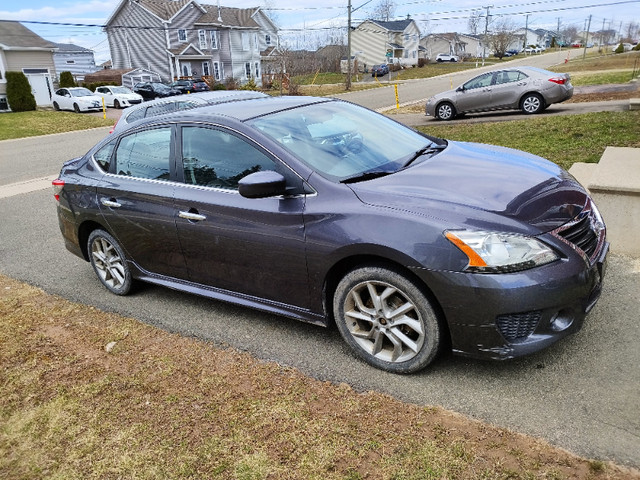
486, 28
586, 41
601, 36
526, 31
348, 83
558, 35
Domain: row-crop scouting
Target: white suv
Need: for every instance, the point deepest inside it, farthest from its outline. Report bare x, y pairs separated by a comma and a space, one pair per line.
445, 57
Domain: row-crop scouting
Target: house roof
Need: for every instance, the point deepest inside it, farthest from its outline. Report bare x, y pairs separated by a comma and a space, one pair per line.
236, 17
163, 9
395, 25
71, 48
17, 36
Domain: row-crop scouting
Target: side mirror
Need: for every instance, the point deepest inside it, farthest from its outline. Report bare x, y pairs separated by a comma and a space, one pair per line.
262, 185
460, 88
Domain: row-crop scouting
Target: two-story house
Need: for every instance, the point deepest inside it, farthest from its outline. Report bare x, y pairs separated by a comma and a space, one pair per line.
21, 50
374, 42
185, 38
75, 59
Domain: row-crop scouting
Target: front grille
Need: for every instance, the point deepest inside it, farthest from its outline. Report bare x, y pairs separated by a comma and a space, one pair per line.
518, 326
585, 233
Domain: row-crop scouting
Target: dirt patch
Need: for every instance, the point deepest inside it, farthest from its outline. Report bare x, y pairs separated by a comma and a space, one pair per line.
88, 394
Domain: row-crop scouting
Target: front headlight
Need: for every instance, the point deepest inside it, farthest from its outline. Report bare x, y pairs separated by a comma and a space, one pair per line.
493, 252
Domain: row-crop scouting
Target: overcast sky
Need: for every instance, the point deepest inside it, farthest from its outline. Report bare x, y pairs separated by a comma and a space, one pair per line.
303, 20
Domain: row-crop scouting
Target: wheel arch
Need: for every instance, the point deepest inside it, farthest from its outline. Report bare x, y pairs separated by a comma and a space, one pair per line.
84, 231
524, 95
450, 102
345, 265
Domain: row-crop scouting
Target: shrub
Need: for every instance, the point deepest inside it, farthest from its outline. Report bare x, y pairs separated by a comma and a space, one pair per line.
620, 49
422, 62
19, 93
219, 86
231, 83
250, 85
637, 47
66, 80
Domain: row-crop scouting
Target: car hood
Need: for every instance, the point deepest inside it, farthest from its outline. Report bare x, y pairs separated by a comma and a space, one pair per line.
511, 184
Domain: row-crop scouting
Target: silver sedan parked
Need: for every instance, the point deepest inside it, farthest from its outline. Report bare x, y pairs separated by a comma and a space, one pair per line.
529, 89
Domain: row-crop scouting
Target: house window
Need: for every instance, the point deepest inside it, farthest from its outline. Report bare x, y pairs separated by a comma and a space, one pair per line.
182, 35
216, 71
257, 69
214, 39
202, 37
245, 41
186, 69
205, 69
255, 42
267, 39
71, 62
247, 70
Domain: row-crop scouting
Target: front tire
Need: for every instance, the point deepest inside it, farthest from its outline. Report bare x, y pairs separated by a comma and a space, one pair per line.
386, 319
56, 107
109, 262
532, 103
116, 104
446, 111
76, 108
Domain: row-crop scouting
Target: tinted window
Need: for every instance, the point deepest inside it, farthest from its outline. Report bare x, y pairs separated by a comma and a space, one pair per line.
214, 158
478, 82
145, 154
508, 77
160, 109
103, 156
136, 115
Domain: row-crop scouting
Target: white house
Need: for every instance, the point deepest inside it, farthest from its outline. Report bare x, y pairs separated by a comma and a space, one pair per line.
374, 42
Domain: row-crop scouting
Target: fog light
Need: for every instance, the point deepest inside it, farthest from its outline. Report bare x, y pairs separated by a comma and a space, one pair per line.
561, 321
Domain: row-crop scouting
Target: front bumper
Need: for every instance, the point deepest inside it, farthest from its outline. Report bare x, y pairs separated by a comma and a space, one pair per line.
502, 316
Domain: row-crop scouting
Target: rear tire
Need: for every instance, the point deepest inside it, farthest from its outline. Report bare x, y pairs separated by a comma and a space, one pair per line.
532, 103
109, 262
386, 319
446, 111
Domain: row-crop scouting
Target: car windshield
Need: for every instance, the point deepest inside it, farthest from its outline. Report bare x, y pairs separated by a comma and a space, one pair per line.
159, 86
81, 92
120, 90
342, 141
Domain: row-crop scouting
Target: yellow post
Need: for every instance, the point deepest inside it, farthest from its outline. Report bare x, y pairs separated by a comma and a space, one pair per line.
451, 82
395, 86
314, 78
104, 109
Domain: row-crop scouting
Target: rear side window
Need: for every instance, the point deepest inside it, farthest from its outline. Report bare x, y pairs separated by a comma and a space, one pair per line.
136, 115
103, 156
145, 154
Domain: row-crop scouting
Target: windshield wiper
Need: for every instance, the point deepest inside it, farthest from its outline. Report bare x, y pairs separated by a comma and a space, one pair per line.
365, 176
433, 148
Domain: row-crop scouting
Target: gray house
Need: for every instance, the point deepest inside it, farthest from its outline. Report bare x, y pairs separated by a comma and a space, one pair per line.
185, 38
21, 50
72, 58
375, 41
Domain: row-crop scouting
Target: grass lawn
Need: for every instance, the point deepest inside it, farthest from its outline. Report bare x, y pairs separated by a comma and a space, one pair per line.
93, 395
562, 139
44, 122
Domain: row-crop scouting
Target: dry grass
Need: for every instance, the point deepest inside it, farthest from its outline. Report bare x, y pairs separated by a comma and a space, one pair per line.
158, 405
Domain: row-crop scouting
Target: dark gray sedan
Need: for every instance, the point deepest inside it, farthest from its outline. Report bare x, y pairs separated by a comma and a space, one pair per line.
529, 89
324, 211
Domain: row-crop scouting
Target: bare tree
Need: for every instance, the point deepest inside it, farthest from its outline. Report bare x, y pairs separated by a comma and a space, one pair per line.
502, 37
632, 30
384, 10
475, 21
570, 33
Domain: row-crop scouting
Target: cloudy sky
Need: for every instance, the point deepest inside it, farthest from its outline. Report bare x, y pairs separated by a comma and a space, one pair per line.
303, 23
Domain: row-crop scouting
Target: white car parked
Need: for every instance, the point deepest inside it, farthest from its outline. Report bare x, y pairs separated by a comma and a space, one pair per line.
445, 57
118, 97
78, 99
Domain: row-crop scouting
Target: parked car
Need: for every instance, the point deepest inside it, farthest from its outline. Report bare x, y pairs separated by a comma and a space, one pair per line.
161, 106
118, 97
445, 57
306, 209
533, 49
513, 51
78, 99
529, 89
190, 86
379, 70
153, 90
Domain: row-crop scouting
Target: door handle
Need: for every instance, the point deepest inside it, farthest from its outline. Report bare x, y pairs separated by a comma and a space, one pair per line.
110, 203
194, 217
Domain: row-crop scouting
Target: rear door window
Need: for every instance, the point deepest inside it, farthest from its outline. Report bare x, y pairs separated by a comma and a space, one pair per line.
145, 154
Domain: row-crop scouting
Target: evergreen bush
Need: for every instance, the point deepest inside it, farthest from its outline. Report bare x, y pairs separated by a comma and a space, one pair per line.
66, 80
620, 49
19, 93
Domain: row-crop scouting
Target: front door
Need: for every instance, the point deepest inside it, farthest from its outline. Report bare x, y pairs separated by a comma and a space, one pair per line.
252, 246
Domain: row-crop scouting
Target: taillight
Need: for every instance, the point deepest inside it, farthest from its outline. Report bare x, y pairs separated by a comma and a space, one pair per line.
114, 126
558, 80
58, 185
